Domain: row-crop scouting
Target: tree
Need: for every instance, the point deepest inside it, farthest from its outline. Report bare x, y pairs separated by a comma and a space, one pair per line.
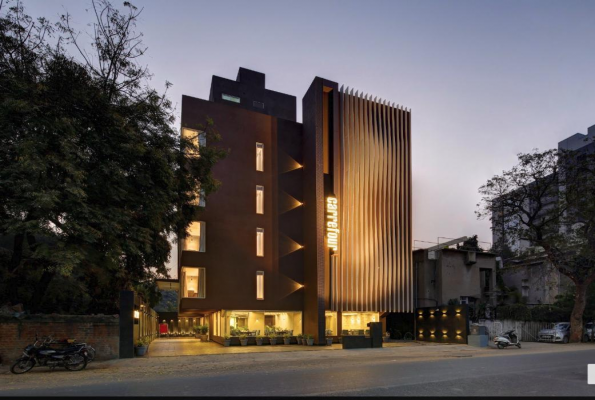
548, 200
93, 176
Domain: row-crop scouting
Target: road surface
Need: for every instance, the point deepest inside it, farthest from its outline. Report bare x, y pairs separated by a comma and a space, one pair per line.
541, 374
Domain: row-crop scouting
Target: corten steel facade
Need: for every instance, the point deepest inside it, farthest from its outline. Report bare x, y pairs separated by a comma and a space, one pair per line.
343, 174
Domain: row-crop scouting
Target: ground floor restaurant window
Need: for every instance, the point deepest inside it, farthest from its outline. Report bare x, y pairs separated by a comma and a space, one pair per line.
255, 323
356, 323
330, 318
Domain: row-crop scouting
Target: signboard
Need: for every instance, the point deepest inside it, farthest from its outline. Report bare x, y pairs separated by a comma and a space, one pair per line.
332, 223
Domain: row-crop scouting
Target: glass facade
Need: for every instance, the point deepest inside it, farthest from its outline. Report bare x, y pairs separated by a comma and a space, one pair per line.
259, 199
330, 319
254, 323
259, 157
260, 242
197, 138
259, 285
356, 323
193, 282
197, 238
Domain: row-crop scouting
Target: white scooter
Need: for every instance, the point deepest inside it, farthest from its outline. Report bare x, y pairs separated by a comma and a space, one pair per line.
506, 339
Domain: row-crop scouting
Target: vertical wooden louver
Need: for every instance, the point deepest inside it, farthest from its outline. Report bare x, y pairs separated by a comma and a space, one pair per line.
373, 270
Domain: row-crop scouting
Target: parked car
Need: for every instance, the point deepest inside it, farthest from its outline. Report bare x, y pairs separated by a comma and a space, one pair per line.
559, 333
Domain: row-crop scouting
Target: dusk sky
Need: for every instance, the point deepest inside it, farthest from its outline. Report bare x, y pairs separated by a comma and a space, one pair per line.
485, 80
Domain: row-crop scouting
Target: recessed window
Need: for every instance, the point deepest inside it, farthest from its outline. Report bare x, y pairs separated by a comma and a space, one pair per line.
197, 138
259, 285
197, 237
259, 199
260, 242
200, 200
258, 104
228, 97
194, 282
259, 157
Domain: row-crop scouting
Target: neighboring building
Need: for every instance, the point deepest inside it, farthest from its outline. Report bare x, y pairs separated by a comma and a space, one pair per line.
310, 230
578, 142
454, 275
536, 280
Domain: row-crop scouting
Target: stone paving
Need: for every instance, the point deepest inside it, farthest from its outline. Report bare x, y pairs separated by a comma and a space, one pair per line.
194, 347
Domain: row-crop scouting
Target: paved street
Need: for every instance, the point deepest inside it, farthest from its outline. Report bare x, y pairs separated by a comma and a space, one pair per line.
537, 369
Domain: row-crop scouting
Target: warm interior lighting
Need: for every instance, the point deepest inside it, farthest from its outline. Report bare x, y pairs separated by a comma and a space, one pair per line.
259, 285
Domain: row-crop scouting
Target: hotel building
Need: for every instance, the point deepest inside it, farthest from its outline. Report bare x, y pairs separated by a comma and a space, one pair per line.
310, 230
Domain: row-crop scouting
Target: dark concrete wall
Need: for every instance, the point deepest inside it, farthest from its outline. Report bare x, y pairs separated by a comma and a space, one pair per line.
250, 87
230, 213
314, 250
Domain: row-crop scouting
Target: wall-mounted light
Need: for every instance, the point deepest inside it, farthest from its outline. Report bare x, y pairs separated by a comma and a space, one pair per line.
136, 314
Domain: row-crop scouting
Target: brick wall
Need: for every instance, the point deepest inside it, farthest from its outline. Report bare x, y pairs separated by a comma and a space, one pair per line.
100, 331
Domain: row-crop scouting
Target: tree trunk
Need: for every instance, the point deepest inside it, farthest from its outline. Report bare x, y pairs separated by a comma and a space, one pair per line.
576, 318
41, 288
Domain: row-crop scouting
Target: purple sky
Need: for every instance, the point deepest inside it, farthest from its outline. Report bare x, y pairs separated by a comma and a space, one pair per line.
485, 80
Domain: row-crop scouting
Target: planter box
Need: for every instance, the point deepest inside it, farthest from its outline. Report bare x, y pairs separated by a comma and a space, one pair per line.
227, 342
329, 341
310, 342
259, 342
286, 340
273, 341
244, 342
203, 338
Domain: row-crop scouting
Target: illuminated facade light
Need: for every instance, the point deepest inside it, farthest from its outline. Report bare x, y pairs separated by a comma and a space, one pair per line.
332, 223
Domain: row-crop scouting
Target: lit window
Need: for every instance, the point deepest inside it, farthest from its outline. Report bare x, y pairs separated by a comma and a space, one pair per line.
260, 242
228, 97
197, 138
259, 157
259, 285
199, 200
194, 282
196, 239
259, 199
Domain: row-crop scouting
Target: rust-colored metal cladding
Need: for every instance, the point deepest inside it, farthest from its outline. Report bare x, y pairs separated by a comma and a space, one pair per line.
374, 267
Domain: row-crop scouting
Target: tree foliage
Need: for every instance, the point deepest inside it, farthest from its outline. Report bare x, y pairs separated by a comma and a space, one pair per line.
93, 176
548, 201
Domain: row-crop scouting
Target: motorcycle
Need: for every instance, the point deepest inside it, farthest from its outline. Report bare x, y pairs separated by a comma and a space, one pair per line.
74, 357
506, 339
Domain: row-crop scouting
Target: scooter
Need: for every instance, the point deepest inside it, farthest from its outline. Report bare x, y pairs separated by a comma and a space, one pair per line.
506, 339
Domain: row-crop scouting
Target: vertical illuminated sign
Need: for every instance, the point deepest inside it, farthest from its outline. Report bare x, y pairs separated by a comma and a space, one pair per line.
332, 223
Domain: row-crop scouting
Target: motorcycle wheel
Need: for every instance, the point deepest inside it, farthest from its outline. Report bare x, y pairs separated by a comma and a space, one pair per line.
21, 366
500, 345
76, 362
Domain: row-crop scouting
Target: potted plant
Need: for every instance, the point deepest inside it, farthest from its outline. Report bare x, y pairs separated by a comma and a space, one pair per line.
141, 347
329, 341
309, 340
273, 338
287, 338
204, 330
299, 338
226, 341
243, 340
196, 329
259, 340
